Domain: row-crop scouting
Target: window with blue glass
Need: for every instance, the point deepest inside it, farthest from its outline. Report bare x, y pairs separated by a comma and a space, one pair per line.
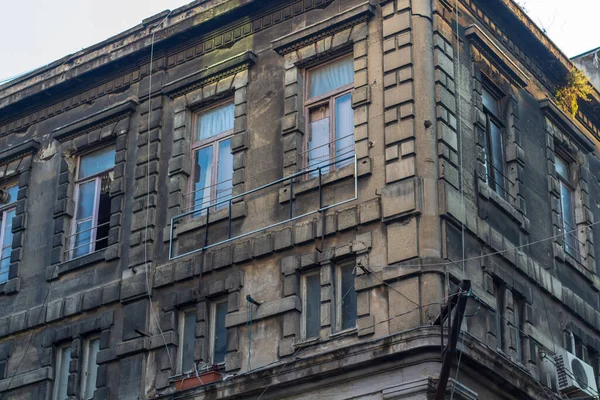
212, 175
329, 115
8, 202
494, 143
218, 331
89, 231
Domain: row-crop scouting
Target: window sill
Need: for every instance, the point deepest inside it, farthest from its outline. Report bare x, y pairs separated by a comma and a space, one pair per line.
344, 333
488, 193
313, 183
238, 210
55, 271
561, 255
10, 286
332, 336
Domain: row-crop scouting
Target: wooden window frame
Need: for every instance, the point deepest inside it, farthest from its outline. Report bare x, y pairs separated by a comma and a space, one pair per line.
303, 331
4, 210
212, 327
84, 365
197, 145
339, 295
328, 99
58, 364
182, 314
97, 191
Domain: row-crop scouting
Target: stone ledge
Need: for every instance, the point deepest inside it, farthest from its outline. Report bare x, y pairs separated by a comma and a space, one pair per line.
568, 124
132, 347
123, 108
486, 192
55, 271
313, 183
10, 286
26, 378
265, 310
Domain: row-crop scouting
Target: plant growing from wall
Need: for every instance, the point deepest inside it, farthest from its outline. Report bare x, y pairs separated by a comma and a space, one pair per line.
576, 88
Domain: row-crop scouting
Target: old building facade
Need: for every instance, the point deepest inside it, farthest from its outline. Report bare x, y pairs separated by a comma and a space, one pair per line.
288, 193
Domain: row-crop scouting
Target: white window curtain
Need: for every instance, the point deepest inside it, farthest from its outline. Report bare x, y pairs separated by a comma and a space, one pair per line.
331, 76
215, 121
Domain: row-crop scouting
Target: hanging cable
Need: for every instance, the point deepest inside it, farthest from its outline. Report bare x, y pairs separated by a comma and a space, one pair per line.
147, 267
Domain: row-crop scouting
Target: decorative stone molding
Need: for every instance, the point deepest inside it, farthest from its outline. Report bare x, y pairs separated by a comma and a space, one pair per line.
76, 334
15, 164
325, 39
209, 42
511, 198
492, 51
109, 125
563, 134
294, 265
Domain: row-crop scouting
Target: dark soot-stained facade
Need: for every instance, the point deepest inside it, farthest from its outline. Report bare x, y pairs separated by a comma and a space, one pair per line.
275, 200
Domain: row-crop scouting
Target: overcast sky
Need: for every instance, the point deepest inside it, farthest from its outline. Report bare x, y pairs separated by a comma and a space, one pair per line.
36, 32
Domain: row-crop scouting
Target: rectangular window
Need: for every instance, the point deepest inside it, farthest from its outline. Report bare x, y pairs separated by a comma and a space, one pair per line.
519, 326
499, 293
345, 297
218, 334
61, 378
7, 213
329, 115
566, 204
90, 368
212, 177
92, 202
187, 338
311, 298
494, 144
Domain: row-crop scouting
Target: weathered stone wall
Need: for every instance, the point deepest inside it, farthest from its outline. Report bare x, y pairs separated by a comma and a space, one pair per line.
422, 206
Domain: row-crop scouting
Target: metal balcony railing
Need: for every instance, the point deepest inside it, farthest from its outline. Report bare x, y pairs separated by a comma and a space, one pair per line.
70, 247
501, 185
571, 242
208, 210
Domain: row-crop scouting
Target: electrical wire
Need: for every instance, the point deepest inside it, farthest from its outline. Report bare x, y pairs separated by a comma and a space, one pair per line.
372, 273
147, 267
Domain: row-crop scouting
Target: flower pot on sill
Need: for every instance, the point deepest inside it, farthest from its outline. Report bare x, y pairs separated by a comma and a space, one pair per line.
193, 381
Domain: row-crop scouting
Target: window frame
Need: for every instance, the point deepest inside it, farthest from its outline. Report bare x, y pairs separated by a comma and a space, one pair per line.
492, 117
212, 332
339, 294
77, 183
500, 296
303, 324
84, 367
329, 99
58, 366
519, 324
5, 209
182, 317
213, 142
565, 182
